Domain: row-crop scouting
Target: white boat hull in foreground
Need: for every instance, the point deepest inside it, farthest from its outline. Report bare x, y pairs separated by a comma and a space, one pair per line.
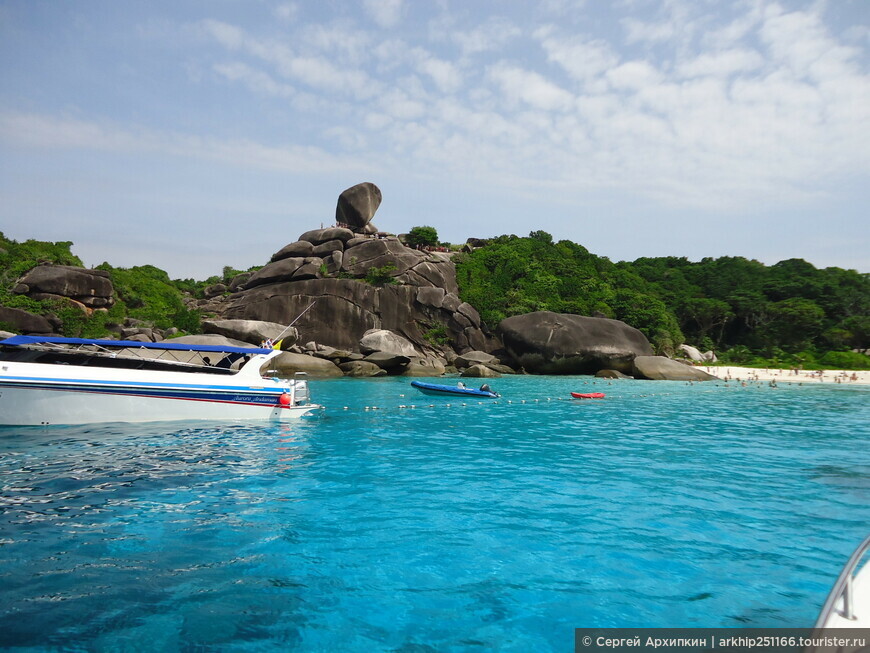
848, 604
40, 393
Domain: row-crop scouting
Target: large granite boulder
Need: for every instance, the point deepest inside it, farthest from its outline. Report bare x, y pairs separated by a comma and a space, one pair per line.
377, 253
424, 367
344, 309
361, 369
381, 340
299, 249
481, 371
281, 269
93, 288
25, 322
612, 374
659, 368
470, 358
388, 361
552, 343
357, 205
287, 364
321, 236
252, 331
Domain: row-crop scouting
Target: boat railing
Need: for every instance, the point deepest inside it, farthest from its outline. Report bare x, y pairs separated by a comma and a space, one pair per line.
841, 593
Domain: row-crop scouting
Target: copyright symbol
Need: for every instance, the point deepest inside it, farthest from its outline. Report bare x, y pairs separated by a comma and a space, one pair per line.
587, 641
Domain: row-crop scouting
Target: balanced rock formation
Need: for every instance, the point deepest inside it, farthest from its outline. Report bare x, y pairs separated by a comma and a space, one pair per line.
552, 343
356, 283
357, 205
660, 368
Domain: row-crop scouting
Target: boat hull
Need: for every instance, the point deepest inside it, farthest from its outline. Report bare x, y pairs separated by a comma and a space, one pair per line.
437, 390
70, 395
587, 395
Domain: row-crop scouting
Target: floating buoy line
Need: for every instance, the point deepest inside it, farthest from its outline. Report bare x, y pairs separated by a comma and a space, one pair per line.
474, 404
515, 402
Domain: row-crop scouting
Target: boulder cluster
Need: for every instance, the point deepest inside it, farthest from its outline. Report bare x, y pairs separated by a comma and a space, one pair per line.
85, 290
363, 304
349, 279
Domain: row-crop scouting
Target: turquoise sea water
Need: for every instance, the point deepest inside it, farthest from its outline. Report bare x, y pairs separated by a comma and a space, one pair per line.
489, 526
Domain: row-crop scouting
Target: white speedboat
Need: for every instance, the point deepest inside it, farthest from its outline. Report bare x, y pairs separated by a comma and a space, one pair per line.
46, 380
848, 604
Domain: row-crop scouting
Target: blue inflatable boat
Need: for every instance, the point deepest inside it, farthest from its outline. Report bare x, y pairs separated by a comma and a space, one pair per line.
455, 390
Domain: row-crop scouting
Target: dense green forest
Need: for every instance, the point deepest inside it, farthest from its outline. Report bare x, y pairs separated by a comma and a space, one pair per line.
790, 313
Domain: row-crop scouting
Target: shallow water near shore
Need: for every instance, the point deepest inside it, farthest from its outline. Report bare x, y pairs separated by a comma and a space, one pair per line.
497, 525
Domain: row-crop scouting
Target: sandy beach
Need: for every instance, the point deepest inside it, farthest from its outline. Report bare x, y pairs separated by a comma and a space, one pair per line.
733, 373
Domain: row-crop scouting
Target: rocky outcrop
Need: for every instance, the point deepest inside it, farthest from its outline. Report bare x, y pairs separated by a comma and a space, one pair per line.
299, 249
552, 343
355, 280
91, 288
470, 358
611, 374
424, 367
362, 369
288, 363
659, 368
252, 331
25, 322
387, 342
481, 371
694, 354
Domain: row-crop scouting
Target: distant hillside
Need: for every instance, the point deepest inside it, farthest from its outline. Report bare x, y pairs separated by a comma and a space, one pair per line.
790, 313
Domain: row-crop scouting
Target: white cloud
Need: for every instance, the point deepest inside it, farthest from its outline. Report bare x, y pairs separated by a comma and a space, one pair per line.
30, 130
490, 36
639, 31
386, 13
721, 64
398, 104
229, 36
256, 80
445, 74
520, 85
634, 75
582, 58
287, 11
316, 71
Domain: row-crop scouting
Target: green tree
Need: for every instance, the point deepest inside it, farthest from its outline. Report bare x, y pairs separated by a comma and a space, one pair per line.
422, 237
794, 324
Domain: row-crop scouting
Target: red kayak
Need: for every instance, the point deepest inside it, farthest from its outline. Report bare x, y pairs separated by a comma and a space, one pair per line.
587, 395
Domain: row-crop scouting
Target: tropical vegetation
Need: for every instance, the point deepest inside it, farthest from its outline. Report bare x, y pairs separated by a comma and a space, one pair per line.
790, 313
787, 314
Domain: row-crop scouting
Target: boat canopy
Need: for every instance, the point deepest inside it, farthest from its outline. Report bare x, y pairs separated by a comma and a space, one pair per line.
18, 341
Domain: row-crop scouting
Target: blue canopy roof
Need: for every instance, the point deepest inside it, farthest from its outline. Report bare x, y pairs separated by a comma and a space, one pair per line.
125, 344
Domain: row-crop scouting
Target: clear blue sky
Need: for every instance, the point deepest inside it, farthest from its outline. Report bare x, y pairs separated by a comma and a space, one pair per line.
197, 134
